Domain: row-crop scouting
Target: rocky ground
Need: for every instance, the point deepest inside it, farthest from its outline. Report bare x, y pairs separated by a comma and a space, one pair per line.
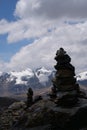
45, 114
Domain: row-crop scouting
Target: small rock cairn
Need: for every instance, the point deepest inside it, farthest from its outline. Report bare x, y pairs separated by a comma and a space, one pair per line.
64, 82
29, 97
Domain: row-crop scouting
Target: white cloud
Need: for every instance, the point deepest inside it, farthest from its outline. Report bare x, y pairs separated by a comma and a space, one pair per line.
52, 9
43, 20
38, 16
42, 52
3, 66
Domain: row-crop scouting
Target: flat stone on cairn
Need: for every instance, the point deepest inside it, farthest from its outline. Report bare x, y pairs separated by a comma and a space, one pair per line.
64, 80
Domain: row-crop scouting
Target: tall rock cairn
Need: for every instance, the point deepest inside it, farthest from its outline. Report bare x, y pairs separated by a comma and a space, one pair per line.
64, 81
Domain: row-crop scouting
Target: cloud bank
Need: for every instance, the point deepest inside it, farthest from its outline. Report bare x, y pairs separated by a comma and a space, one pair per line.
52, 24
52, 9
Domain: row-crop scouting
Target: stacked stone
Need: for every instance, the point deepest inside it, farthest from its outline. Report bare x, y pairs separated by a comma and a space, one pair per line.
65, 81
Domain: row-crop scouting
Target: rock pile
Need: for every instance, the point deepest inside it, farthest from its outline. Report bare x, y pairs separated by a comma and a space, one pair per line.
29, 97
65, 81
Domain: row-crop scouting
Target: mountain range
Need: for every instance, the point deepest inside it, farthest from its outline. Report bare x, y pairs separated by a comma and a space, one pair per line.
18, 82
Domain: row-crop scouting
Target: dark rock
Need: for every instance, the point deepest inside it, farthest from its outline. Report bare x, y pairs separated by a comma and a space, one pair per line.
67, 100
37, 98
64, 80
64, 66
79, 119
64, 73
53, 93
46, 115
29, 97
62, 59
6, 101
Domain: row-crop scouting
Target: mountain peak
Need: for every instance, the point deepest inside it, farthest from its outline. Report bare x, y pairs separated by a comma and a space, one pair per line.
19, 81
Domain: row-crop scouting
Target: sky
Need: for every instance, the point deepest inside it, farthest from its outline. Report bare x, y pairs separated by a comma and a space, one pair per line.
31, 31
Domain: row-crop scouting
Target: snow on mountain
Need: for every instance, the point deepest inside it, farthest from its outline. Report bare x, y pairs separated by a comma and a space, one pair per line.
18, 75
43, 75
82, 80
82, 76
18, 82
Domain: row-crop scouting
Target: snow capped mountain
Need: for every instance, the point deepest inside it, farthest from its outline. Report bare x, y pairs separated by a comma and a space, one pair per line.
19, 75
19, 82
42, 74
82, 76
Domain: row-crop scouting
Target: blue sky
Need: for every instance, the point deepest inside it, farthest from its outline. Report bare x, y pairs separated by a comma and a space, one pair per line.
31, 31
6, 12
7, 8
7, 50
